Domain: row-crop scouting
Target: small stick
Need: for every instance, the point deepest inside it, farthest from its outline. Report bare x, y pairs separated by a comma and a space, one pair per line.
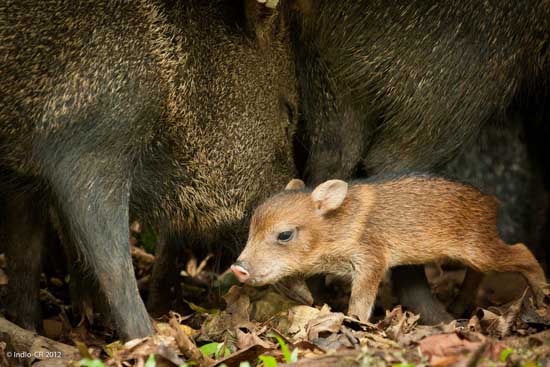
187, 347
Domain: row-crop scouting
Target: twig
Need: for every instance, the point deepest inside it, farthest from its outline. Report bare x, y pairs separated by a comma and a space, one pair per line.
187, 347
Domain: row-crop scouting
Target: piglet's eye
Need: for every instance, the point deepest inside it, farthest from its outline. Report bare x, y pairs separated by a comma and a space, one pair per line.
285, 236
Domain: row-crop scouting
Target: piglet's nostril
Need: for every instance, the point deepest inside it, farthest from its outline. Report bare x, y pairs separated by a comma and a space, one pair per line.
240, 272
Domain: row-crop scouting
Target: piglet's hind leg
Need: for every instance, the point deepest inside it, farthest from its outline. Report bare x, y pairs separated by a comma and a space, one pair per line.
500, 257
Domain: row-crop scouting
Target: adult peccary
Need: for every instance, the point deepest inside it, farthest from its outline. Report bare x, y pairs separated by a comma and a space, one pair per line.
393, 85
179, 112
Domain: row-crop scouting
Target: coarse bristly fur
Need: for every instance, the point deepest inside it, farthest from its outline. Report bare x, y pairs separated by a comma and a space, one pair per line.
180, 113
405, 84
364, 228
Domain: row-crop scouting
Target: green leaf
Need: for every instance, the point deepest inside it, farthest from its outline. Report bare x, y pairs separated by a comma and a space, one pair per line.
91, 363
222, 351
209, 349
268, 361
505, 354
151, 361
284, 348
244, 364
226, 352
216, 350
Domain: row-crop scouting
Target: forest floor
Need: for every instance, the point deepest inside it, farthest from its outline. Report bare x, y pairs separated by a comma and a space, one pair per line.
222, 323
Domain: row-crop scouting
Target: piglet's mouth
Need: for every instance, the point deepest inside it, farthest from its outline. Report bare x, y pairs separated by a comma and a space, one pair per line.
258, 281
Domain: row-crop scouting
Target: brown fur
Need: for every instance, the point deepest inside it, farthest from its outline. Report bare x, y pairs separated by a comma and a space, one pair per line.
405, 220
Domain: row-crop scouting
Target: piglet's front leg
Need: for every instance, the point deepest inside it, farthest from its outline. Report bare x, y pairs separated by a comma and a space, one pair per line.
365, 283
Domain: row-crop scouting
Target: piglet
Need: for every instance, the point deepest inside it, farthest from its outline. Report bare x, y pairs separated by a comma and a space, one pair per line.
364, 228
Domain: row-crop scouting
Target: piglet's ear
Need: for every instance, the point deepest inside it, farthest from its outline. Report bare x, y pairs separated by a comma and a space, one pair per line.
329, 195
295, 184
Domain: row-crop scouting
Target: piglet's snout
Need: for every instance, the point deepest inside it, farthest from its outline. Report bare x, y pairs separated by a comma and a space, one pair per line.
240, 272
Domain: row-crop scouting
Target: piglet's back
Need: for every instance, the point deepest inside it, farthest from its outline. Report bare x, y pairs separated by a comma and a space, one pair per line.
415, 208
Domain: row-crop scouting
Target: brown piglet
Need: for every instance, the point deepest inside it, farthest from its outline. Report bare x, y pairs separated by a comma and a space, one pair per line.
365, 228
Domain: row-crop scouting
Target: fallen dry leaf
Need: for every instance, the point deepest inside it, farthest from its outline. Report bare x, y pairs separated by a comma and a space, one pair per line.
330, 322
249, 354
140, 349
398, 322
474, 324
535, 316
299, 317
444, 361
235, 315
246, 340
268, 304
422, 331
295, 289
445, 345
499, 325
